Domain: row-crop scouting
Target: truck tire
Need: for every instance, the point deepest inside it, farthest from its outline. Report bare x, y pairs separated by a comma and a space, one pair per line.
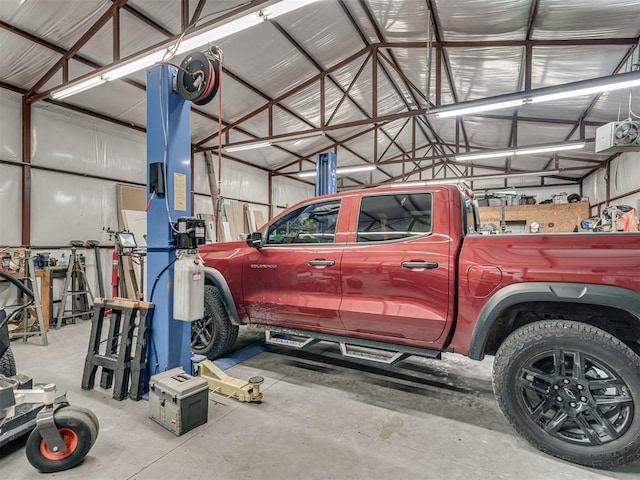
572, 390
7, 364
214, 334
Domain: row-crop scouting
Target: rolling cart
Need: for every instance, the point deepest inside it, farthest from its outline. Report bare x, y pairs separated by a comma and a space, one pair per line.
61, 434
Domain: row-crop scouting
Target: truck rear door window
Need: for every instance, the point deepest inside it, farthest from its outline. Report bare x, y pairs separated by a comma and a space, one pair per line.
394, 217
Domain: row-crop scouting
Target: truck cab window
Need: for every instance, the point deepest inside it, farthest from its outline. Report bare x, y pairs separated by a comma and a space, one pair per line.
394, 217
471, 217
315, 223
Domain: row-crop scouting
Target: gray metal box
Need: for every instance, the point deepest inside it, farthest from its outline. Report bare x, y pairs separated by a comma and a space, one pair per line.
178, 401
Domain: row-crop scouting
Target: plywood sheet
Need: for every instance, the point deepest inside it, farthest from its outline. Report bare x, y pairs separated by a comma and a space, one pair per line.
260, 221
130, 198
557, 218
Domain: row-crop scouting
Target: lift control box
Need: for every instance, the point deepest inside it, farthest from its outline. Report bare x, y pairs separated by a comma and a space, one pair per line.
178, 401
189, 233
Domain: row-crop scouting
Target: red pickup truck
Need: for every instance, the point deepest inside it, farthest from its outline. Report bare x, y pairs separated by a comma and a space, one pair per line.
389, 273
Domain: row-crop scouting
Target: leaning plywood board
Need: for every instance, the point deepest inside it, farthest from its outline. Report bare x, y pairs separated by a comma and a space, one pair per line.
230, 223
259, 218
136, 222
238, 209
234, 211
251, 219
129, 199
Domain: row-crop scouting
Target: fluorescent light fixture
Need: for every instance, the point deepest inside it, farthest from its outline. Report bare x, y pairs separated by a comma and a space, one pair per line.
217, 33
542, 173
480, 156
550, 148
449, 181
340, 171
134, 65
186, 45
307, 174
246, 146
478, 108
408, 184
546, 94
267, 143
283, 7
362, 168
607, 87
532, 150
77, 88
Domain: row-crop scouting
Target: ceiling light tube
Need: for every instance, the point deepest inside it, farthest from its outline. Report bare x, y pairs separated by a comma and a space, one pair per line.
480, 156
449, 181
532, 150
285, 6
77, 88
246, 146
217, 33
607, 87
340, 171
408, 184
590, 86
478, 108
550, 148
362, 168
134, 65
190, 43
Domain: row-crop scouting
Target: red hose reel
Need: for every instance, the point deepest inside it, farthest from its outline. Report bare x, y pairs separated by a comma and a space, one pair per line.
198, 77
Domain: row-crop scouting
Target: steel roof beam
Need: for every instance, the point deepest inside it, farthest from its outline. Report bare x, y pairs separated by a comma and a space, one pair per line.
445, 59
393, 62
290, 92
578, 42
98, 24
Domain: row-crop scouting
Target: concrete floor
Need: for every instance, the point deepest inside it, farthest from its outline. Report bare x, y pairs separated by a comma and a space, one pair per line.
323, 417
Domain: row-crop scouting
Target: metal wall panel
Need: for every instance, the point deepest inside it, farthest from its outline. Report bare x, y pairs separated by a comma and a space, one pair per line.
10, 126
10, 205
64, 208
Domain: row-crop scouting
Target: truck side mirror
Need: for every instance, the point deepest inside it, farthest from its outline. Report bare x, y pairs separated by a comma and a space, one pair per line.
255, 240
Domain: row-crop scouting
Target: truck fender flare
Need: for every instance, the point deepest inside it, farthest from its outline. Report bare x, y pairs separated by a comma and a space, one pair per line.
510, 295
217, 279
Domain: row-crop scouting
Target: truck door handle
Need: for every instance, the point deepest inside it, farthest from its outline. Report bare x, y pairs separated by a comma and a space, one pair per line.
322, 263
418, 264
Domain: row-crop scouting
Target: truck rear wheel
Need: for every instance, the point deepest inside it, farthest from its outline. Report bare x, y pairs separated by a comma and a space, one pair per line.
572, 390
214, 334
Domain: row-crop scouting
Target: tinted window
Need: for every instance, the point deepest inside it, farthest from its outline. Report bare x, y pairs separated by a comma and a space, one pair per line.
394, 217
315, 223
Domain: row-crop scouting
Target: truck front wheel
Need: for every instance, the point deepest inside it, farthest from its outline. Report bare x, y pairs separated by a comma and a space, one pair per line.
572, 390
214, 334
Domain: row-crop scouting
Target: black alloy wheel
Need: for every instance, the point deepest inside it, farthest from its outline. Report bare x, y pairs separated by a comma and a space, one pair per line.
214, 334
572, 390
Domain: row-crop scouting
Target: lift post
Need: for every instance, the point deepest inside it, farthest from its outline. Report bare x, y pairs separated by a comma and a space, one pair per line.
326, 182
169, 142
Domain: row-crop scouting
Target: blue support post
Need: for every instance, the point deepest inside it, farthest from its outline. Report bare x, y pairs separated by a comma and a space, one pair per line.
326, 182
168, 126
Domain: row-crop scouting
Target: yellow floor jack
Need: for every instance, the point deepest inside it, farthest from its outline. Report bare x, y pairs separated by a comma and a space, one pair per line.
227, 386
